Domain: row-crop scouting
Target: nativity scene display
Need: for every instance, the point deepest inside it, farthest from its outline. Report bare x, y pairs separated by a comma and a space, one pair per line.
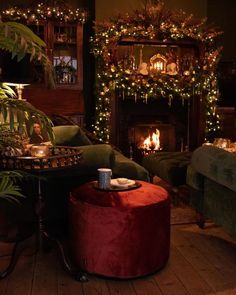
153, 60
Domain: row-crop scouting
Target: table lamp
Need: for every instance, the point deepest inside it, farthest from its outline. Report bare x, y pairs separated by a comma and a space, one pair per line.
19, 88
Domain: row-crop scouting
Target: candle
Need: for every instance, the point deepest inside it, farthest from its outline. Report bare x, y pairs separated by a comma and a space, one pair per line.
39, 151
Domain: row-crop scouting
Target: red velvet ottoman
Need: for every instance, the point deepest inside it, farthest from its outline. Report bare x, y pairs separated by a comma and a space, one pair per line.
121, 234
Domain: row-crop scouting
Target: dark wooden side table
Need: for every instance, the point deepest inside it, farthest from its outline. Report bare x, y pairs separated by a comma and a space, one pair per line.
61, 158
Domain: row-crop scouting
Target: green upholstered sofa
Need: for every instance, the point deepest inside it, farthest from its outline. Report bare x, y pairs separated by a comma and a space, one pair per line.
212, 179
95, 156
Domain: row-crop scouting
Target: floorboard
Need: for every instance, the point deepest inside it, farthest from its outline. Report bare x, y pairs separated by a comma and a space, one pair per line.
146, 286
201, 262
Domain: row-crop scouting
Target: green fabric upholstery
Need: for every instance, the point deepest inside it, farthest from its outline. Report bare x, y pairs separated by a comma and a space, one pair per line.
95, 156
220, 205
71, 135
216, 164
124, 167
194, 179
170, 166
212, 179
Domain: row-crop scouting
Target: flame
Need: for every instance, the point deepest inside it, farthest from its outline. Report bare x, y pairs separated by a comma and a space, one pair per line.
152, 142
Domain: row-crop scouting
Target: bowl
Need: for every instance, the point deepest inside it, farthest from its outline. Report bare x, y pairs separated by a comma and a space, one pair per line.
122, 180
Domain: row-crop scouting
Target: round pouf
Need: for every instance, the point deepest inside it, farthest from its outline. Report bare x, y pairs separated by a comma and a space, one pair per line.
122, 234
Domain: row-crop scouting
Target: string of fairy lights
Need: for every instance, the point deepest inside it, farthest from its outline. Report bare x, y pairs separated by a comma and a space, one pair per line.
154, 22
44, 11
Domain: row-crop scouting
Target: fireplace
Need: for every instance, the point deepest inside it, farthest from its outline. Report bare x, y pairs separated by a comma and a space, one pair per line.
133, 121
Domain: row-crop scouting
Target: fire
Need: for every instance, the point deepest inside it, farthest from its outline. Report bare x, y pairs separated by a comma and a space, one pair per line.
152, 142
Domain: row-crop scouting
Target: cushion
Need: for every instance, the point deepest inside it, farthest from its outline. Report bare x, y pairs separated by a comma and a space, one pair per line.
94, 157
70, 135
124, 167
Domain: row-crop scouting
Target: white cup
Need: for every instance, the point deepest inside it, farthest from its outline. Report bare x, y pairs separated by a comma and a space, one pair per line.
104, 178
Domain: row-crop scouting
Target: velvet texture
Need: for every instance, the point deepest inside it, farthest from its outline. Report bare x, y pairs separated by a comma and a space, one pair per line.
120, 234
70, 135
212, 179
124, 167
170, 166
216, 164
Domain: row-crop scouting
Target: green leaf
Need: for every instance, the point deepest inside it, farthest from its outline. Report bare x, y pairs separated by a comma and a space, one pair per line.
26, 32
11, 119
8, 190
20, 120
4, 112
21, 55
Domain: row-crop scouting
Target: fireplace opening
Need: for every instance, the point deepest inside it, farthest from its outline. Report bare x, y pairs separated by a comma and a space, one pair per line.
149, 138
133, 122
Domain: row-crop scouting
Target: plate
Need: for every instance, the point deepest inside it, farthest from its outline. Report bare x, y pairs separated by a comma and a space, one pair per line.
130, 182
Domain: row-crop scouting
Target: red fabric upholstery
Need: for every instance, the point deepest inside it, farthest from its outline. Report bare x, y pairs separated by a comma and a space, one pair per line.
120, 234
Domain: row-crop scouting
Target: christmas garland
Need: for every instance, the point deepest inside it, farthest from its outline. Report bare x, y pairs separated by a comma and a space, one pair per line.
154, 22
44, 11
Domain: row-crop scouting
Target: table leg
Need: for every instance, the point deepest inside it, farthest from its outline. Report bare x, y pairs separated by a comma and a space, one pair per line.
12, 263
39, 211
44, 235
16, 251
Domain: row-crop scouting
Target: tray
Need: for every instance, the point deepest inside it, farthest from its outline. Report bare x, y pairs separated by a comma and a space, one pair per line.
60, 157
118, 188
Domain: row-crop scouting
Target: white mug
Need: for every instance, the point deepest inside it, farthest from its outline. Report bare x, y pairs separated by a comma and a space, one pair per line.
104, 178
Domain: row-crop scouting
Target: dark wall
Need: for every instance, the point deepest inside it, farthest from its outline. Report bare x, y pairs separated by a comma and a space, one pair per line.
106, 8
223, 14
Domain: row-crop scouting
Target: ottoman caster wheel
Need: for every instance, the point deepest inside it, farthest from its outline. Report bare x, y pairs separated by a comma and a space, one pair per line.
81, 277
201, 220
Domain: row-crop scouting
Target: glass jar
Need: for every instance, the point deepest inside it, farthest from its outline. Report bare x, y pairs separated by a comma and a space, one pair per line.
39, 151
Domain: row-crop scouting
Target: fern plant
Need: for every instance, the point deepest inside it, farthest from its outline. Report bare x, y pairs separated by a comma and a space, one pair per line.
9, 190
15, 114
19, 40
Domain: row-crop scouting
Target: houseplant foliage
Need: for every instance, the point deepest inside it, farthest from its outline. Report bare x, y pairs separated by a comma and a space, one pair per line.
155, 22
14, 113
9, 189
20, 41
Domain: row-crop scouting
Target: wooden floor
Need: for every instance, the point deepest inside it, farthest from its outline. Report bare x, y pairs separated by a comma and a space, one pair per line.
201, 262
